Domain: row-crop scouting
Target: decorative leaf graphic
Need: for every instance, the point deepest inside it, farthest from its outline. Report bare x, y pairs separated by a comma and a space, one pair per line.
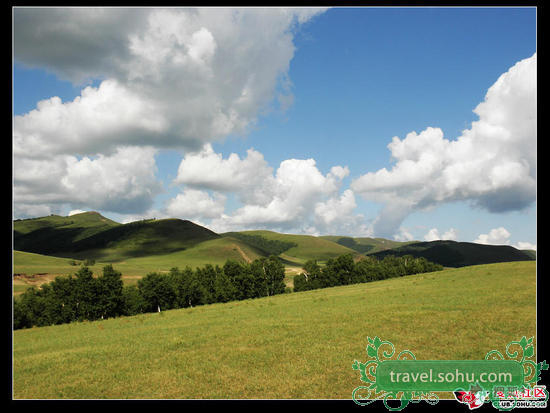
523, 342
371, 351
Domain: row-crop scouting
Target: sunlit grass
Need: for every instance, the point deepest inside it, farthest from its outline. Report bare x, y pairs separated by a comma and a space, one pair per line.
299, 345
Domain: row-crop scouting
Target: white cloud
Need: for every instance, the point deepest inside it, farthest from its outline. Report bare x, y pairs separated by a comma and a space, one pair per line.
97, 121
168, 78
450, 234
251, 177
525, 246
334, 209
497, 236
75, 212
294, 190
192, 204
492, 164
403, 235
297, 196
123, 182
172, 78
337, 216
501, 236
433, 235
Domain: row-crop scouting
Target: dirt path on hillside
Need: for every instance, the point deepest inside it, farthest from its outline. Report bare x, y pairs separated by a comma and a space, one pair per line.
245, 257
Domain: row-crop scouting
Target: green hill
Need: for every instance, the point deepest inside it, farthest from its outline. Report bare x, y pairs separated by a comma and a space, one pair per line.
142, 238
458, 254
531, 253
306, 247
158, 245
30, 269
54, 233
366, 245
90, 235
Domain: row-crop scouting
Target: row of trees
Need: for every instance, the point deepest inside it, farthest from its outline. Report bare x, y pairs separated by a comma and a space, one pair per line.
344, 270
85, 297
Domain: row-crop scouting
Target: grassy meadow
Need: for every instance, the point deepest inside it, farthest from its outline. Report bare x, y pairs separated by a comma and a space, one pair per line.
297, 346
35, 269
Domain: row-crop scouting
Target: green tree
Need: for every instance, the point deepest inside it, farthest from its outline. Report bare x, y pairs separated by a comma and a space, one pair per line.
64, 290
133, 302
275, 275
87, 295
207, 277
241, 277
224, 290
22, 318
301, 283
193, 289
157, 292
110, 299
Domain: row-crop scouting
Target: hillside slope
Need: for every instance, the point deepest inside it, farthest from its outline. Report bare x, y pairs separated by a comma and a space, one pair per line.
90, 235
161, 243
45, 235
307, 247
366, 245
458, 254
295, 346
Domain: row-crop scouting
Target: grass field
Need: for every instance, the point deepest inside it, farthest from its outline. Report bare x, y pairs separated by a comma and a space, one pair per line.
35, 269
298, 345
308, 248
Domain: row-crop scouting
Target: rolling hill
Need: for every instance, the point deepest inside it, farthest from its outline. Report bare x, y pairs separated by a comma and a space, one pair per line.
307, 247
366, 245
54, 233
90, 235
458, 254
144, 246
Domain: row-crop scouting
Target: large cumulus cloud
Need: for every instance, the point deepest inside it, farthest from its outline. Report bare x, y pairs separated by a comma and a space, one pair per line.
296, 196
122, 182
166, 78
492, 164
173, 77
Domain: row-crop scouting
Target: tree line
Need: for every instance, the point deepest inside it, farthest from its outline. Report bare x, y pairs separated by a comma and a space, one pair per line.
85, 297
82, 296
344, 270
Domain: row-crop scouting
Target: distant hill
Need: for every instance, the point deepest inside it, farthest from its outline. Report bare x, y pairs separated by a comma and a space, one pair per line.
366, 245
90, 235
458, 254
161, 244
531, 253
306, 247
46, 235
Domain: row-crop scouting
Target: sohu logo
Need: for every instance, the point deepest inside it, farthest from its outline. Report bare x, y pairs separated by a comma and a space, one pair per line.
472, 382
474, 399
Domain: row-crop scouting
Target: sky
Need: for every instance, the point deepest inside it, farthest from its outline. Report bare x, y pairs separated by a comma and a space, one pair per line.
415, 123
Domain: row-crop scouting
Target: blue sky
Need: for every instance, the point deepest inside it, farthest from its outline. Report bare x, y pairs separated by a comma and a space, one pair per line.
355, 78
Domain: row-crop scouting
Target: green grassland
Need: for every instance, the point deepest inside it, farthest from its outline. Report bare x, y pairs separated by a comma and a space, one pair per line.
298, 345
308, 247
366, 245
153, 246
35, 269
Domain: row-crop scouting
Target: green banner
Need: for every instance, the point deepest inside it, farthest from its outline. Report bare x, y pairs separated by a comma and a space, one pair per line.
446, 375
